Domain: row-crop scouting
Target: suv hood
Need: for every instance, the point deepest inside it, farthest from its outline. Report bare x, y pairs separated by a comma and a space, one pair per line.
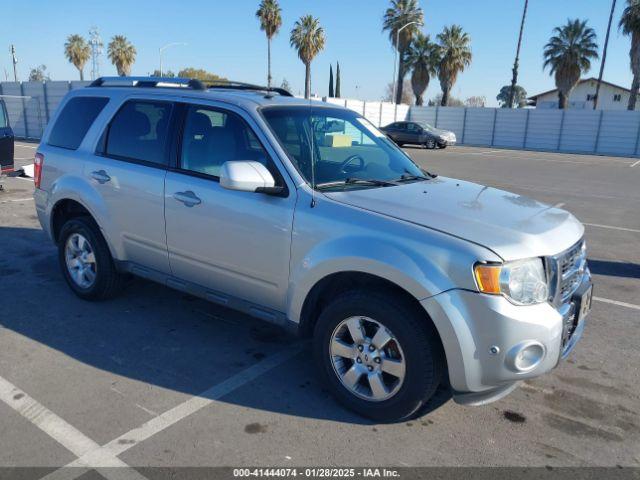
511, 225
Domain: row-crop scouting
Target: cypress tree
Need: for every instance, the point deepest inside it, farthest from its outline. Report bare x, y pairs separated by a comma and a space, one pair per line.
331, 80
337, 79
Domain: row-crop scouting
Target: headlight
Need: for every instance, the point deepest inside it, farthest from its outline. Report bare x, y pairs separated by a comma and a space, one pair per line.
524, 282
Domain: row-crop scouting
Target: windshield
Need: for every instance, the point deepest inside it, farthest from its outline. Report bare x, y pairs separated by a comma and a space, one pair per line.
346, 147
428, 127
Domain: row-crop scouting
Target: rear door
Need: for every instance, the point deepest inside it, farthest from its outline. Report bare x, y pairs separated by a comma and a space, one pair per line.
6, 141
413, 133
128, 171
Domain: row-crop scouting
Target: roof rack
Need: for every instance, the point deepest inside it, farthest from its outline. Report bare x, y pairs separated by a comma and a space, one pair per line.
147, 82
178, 82
231, 85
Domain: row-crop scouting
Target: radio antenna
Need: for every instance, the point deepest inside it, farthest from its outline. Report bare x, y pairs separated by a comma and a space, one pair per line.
313, 152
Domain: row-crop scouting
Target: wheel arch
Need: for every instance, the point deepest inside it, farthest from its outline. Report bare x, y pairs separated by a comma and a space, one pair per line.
329, 286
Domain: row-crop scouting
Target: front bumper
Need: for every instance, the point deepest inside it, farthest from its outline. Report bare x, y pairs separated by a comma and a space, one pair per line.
446, 141
483, 336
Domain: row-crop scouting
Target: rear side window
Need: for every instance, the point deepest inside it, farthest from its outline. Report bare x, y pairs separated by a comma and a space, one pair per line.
139, 131
3, 116
74, 121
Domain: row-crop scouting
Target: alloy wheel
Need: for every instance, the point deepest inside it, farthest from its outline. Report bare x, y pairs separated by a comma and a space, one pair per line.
80, 260
367, 358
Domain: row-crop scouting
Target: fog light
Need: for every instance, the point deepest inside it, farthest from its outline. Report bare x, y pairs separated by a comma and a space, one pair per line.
525, 356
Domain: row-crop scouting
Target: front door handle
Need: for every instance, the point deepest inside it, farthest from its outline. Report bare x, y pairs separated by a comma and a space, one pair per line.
188, 198
100, 176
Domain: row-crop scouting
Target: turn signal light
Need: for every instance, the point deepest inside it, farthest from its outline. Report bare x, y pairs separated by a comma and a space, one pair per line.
488, 278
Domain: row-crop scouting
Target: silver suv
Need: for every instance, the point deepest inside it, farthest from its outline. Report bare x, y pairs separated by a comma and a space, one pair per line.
305, 215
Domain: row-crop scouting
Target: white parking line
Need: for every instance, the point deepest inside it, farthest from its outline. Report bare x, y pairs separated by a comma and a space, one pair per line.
100, 456
58, 429
611, 227
26, 146
20, 200
635, 163
616, 302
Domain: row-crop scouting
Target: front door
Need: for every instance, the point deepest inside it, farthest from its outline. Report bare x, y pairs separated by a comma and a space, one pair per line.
128, 173
235, 243
6, 141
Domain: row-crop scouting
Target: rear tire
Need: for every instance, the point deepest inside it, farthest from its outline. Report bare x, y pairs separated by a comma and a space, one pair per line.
86, 262
413, 341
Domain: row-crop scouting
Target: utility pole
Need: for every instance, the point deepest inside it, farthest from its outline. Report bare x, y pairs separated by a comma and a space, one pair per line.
514, 78
95, 42
15, 62
604, 55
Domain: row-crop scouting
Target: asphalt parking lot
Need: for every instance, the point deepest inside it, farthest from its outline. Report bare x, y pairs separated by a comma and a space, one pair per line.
159, 378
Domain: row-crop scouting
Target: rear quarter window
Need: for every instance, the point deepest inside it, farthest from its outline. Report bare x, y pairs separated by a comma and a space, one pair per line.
75, 119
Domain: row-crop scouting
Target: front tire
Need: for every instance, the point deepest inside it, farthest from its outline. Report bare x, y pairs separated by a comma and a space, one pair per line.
378, 354
86, 262
430, 144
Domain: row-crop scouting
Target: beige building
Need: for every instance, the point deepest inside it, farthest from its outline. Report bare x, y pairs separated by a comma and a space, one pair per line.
612, 97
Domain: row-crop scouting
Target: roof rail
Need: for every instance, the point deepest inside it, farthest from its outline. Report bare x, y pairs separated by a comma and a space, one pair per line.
148, 82
232, 85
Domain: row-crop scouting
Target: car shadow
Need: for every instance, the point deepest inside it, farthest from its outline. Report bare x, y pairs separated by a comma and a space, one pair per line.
614, 269
159, 336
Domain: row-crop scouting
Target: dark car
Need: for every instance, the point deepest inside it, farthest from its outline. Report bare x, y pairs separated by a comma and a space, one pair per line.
419, 134
6, 140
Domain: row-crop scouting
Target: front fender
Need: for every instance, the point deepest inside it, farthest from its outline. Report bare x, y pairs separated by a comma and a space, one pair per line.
365, 254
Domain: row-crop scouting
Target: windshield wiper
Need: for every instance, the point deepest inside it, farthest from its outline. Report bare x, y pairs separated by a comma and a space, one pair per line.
357, 181
406, 178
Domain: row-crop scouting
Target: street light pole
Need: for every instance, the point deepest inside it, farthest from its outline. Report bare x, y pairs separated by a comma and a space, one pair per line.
396, 64
162, 49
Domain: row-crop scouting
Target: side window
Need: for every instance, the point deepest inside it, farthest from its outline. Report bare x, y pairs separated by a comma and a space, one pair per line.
401, 126
211, 137
139, 131
74, 121
4, 122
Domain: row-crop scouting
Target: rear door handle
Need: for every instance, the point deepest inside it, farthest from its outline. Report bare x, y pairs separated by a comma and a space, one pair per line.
188, 198
100, 176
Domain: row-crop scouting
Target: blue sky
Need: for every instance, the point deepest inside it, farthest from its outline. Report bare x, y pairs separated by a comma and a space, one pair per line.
224, 37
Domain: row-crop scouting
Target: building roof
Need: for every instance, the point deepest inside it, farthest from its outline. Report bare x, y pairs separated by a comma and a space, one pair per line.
590, 79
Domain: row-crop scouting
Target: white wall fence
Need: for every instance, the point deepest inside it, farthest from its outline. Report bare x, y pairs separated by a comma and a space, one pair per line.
378, 113
610, 132
30, 105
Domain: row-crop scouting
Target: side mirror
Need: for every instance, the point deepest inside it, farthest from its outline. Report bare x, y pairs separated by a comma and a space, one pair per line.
248, 176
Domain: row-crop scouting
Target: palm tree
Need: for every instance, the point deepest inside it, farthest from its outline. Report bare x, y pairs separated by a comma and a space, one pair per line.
630, 25
399, 14
423, 58
122, 54
516, 62
77, 52
568, 55
455, 55
270, 22
307, 37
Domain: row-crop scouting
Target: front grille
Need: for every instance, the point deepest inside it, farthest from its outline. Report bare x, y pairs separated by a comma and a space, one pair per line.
571, 267
567, 271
